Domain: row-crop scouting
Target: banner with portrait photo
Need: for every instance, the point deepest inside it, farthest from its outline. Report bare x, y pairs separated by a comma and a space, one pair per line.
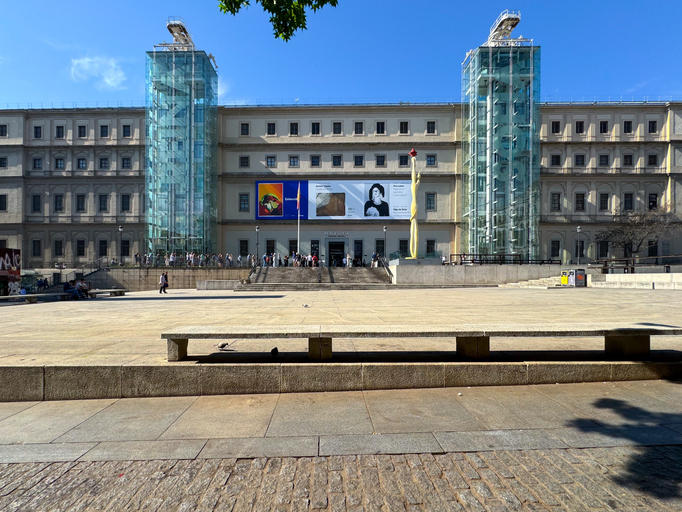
356, 200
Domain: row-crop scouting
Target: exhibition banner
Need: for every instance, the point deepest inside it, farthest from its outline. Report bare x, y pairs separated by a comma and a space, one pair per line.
277, 200
356, 200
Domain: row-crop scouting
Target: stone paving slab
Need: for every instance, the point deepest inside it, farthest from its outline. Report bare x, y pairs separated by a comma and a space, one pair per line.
499, 440
261, 447
595, 437
378, 444
145, 450
44, 452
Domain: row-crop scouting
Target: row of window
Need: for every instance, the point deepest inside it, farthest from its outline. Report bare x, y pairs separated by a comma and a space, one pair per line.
604, 199
602, 249
604, 160
358, 247
58, 203
81, 163
58, 248
336, 128
244, 200
603, 127
82, 130
336, 160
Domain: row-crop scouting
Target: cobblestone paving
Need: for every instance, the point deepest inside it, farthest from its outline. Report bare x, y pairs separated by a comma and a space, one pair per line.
626, 478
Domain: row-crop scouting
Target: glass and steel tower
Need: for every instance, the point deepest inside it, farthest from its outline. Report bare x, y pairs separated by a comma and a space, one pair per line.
501, 144
181, 146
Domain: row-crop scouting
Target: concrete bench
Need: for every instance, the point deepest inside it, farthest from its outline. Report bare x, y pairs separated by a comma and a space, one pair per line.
470, 341
33, 297
113, 292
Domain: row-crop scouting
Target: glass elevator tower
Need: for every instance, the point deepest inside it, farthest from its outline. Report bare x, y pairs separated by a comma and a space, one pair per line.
181, 146
501, 144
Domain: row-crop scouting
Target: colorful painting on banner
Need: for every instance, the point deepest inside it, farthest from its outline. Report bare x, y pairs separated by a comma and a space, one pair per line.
277, 200
359, 200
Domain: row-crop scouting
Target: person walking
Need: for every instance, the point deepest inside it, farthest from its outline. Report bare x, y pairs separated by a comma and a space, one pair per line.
163, 282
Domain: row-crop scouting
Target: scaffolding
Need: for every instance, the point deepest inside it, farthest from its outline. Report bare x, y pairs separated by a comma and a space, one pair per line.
501, 145
181, 146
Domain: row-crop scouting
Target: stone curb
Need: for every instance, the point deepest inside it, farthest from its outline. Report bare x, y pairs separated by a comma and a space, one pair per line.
53, 382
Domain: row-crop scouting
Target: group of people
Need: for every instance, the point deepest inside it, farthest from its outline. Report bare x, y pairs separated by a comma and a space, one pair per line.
77, 290
189, 259
276, 260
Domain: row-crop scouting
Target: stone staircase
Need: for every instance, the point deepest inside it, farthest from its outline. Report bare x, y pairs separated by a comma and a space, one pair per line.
320, 278
544, 283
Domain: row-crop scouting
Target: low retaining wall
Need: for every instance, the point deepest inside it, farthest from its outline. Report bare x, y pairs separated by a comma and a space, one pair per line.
649, 281
471, 274
141, 279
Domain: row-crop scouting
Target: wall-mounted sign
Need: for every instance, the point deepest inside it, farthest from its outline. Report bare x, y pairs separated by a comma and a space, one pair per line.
336, 233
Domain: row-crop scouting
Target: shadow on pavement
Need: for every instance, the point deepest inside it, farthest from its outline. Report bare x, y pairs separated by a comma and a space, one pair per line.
655, 471
207, 297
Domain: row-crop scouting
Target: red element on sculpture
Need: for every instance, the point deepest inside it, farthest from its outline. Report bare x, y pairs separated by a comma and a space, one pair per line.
412, 153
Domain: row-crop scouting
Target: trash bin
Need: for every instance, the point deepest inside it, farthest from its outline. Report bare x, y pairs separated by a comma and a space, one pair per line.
580, 278
571, 278
564, 278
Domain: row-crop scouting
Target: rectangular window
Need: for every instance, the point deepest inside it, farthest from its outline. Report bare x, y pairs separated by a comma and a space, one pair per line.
404, 127
3, 130
580, 202
244, 130
603, 127
627, 160
243, 202
403, 160
430, 160
271, 161
125, 247
82, 163
359, 160
293, 161
430, 202
603, 250
555, 160
272, 129
653, 201
59, 248
103, 246
652, 249
38, 163
103, 202
243, 161
37, 132
292, 247
627, 126
580, 127
653, 159
603, 202
59, 133
314, 128
627, 202
3, 203
337, 161
293, 129
127, 130
603, 160
82, 131
555, 249
36, 203
556, 127
379, 247
243, 248
580, 248
381, 128
403, 247
314, 160
125, 203
270, 246
80, 203
580, 160
126, 162
430, 247
59, 202
653, 126
36, 248
80, 247
359, 128
431, 127
555, 202
104, 131
104, 162
3, 162
381, 160
59, 163
336, 128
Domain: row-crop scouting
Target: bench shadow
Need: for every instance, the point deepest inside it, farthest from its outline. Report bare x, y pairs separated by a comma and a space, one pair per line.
207, 297
654, 471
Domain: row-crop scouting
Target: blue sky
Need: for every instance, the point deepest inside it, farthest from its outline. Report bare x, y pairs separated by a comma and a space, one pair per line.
361, 51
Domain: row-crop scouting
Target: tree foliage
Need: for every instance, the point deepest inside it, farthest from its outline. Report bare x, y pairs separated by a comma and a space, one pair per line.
286, 16
632, 230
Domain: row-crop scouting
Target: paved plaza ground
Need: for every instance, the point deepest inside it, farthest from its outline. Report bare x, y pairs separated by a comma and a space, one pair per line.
591, 446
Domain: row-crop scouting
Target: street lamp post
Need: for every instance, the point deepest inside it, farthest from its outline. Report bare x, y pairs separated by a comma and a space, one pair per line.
120, 244
257, 246
578, 229
385, 229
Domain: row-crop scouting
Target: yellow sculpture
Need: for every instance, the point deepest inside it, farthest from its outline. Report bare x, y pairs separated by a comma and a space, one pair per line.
414, 228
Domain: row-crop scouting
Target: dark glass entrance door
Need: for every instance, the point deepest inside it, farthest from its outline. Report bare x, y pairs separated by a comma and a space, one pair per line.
336, 253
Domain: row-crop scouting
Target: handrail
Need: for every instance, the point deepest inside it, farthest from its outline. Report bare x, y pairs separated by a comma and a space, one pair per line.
389, 274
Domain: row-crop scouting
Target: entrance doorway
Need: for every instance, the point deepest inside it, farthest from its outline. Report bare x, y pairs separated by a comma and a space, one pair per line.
336, 253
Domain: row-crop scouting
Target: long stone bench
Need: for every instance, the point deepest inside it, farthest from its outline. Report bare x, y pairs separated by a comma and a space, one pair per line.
470, 341
33, 297
113, 292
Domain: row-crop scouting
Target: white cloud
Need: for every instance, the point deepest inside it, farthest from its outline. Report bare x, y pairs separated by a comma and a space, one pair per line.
109, 74
223, 88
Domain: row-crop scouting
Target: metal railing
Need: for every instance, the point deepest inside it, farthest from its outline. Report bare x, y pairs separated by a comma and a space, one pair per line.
498, 259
